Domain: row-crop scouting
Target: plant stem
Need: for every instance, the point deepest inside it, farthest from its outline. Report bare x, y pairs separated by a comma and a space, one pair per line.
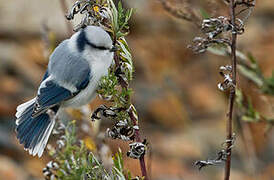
132, 117
138, 139
65, 11
232, 92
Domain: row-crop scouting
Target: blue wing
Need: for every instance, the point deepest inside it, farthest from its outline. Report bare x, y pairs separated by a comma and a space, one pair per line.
68, 73
51, 93
69, 66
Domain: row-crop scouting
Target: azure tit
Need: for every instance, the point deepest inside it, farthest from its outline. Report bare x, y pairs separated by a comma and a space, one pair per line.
74, 70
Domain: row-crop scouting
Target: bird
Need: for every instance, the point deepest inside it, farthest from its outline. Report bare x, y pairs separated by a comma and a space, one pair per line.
74, 71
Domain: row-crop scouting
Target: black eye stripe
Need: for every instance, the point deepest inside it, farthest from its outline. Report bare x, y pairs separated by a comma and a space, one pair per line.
97, 47
82, 40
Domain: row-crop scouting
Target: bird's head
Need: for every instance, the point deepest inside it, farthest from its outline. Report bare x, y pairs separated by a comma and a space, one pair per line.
94, 37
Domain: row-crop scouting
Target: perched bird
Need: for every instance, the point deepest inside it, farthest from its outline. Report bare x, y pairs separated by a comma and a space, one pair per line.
74, 70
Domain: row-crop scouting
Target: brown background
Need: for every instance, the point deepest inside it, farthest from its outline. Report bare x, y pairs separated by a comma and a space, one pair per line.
182, 113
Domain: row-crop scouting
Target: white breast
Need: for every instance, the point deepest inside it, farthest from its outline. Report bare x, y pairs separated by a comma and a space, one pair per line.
99, 64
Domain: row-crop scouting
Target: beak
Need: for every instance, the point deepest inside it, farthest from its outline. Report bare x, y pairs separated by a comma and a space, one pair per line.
113, 49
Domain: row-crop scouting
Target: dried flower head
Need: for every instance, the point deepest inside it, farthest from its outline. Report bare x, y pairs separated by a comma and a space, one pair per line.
96, 14
122, 130
137, 149
221, 155
226, 72
103, 110
49, 170
215, 26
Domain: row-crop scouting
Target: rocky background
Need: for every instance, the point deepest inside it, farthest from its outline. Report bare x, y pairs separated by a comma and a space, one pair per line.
182, 113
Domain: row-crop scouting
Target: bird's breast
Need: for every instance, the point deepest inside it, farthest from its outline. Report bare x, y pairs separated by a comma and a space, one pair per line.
98, 70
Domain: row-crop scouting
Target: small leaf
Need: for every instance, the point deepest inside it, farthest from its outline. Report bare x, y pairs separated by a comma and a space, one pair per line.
204, 14
251, 75
268, 86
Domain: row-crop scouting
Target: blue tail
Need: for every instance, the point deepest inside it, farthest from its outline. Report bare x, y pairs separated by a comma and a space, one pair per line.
33, 132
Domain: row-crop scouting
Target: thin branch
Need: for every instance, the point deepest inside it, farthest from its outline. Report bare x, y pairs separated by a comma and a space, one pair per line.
232, 91
65, 11
133, 118
137, 149
138, 139
180, 14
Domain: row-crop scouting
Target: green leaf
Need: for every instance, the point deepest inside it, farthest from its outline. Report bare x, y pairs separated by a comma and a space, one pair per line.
248, 113
114, 17
204, 14
268, 87
251, 75
254, 65
118, 160
248, 119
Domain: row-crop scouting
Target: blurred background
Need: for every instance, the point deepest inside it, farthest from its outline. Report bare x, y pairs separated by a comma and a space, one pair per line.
181, 111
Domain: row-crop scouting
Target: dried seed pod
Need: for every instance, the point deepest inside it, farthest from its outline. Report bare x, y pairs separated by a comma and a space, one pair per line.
93, 14
215, 26
137, 149
121, 130
226, 72
49, 170
221, 155
103, 110
201, 44
60, 143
